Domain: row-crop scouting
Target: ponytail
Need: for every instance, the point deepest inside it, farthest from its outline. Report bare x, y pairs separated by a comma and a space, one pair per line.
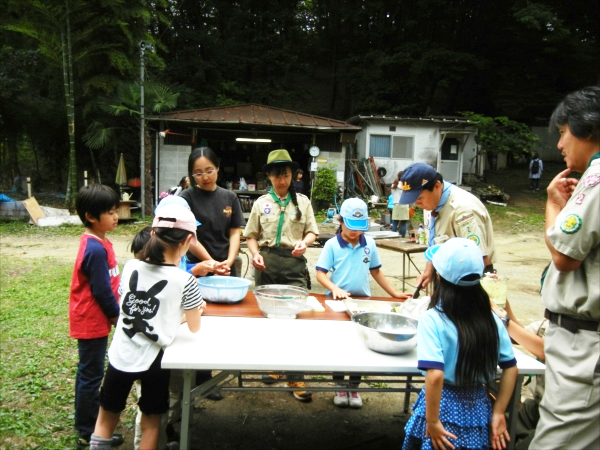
162, 239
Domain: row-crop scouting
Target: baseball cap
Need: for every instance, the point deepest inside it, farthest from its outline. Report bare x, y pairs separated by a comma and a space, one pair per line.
355, 214
176, 216
414, 177
456, 259
174, 200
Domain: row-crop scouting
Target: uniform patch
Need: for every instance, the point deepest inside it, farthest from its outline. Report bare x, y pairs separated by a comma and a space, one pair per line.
571, 224
474, 238
367, 250
267, 208
366, 260
591, 180
579, 199
466, 222
228, 210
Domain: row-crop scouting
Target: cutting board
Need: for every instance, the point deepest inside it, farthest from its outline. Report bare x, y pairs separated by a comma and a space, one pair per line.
33, 208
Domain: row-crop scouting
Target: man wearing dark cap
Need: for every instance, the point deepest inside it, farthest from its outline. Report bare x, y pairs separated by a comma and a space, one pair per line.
454, 213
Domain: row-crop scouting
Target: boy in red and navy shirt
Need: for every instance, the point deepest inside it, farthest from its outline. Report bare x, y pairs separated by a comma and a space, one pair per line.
93, 302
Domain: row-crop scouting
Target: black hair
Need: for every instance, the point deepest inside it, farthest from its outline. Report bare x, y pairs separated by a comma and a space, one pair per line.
160, 241
298, 172
278, 170
535, 155
95, 199
140, 240
182, 181
468, 308
431, 183
198, 153
581, 111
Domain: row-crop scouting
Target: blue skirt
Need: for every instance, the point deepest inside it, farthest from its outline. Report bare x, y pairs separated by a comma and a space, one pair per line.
466, 412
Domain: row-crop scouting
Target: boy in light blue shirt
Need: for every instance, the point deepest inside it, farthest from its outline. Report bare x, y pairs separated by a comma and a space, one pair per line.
351, 256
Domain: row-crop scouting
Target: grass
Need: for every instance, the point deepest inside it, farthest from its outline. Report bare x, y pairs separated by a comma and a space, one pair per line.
39, 359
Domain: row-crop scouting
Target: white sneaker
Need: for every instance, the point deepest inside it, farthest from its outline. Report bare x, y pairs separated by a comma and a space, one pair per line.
354, 400
341, 397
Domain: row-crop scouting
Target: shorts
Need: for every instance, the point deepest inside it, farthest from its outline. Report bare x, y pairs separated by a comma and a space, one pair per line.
155, 388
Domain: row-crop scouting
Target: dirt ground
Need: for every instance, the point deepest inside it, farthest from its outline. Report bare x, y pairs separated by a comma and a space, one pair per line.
276, 420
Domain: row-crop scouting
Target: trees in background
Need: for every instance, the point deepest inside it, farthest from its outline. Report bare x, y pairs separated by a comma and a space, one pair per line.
336, 58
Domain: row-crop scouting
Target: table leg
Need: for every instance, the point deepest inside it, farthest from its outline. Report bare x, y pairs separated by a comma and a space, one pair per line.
186, 406
407, 393
404, 272
513, 412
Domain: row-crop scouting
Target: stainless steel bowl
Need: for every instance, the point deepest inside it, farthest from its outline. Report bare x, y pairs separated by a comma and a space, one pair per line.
388, 333
279, 301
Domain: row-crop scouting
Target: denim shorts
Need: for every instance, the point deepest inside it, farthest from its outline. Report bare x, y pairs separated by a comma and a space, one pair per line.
155, 388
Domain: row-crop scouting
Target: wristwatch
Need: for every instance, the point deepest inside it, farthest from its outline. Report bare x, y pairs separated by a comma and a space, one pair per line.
505, 320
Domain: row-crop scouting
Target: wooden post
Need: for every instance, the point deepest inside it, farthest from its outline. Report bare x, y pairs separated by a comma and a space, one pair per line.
28, 187
85, 180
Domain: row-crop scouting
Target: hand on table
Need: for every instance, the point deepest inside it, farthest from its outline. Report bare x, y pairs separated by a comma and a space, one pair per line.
299, 249
402, 295
258, 262
337, 292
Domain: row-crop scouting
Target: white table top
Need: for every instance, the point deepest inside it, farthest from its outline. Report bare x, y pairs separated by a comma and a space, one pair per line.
239, 343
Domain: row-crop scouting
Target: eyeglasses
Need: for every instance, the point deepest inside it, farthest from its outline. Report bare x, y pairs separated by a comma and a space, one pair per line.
209, 172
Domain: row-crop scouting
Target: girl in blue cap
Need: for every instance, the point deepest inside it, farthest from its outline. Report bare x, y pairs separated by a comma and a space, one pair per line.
460, 343
351, 257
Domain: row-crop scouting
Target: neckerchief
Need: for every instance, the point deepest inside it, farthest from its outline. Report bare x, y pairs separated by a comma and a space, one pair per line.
443, 199
596, 156
281, 214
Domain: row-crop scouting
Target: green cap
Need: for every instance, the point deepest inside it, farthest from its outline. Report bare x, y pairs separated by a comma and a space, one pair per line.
281, 157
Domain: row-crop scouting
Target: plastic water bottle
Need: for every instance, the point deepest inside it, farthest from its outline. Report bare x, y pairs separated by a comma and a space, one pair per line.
421, 234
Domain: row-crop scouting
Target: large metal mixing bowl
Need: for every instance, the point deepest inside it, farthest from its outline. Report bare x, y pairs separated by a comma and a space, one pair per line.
388, 333
279, 301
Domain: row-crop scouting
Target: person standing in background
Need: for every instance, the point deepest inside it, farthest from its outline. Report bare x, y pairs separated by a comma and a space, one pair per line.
298, 183
400, 213
536, 167
570, 407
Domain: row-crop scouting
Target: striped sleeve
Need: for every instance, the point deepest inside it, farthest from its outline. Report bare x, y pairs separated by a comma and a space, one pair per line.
192, 298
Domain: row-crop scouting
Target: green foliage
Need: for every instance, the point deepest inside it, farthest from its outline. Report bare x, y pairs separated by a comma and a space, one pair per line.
501, 135
325, 186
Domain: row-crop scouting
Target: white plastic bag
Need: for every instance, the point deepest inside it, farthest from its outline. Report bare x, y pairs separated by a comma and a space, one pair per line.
414, 307
243, 185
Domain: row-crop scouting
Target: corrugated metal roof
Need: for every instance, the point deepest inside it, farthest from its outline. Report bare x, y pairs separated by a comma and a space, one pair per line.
253, 114
431, 119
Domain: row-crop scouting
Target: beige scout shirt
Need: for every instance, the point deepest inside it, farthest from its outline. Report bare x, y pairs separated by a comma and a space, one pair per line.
264, 220
576, 233
465, 216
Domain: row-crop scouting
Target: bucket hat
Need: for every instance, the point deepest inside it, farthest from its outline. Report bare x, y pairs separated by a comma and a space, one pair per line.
280, 157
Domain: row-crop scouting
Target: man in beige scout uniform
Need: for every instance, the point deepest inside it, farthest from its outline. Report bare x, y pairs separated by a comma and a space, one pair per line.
280, 228
454, 213
570, 408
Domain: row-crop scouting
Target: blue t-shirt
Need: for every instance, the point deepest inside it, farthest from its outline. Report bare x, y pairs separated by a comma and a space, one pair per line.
350, 266
437, 344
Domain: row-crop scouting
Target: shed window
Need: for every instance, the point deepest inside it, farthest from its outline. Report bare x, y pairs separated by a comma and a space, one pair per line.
379, 146
402, 147
396, 147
